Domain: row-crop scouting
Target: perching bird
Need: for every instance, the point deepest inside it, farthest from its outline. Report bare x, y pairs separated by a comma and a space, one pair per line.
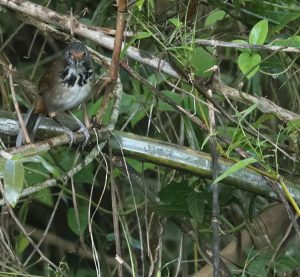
65, 85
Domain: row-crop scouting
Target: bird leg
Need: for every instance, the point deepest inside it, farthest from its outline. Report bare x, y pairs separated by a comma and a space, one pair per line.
82, 128
66, 130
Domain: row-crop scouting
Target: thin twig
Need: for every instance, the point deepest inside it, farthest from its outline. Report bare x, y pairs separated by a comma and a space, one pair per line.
218, 43
13, 94
215, 191
20, 226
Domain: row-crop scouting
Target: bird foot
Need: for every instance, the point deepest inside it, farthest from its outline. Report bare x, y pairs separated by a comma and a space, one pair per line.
87, 135
71, 135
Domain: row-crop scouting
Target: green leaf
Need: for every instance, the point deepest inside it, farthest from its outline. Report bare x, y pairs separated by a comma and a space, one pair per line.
83, 219
174, 193
13, 180
139, 166
138, 36
249, 110
214, 17
293, 125
174, 209
47, 165
293, 41
202, 61
196, 205
249, 63
259, 33
45, 196
22, 244
139, 4
176, 22
236, 167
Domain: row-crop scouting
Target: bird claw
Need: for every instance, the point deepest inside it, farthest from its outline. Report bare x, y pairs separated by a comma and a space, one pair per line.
87, 135
71, 135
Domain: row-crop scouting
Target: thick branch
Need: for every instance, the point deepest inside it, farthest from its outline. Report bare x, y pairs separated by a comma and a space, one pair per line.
170, 155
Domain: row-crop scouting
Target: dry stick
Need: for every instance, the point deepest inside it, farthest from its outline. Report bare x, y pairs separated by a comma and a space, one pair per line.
19, 224
218, 43
215, 221
13, 94
115, 60
109, 87
115, 211
45, 232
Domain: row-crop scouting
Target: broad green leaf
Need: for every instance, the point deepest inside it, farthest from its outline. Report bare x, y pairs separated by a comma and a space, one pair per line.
174, 192
259, 33
196, 205
176, 22
249, 63
47, 165
86, 175
141, 35
45, 196
83, 219
202, 61
139, 4
293, 41
215, 16
236, 167
13, 180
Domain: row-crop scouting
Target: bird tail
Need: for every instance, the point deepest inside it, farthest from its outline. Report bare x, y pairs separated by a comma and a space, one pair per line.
32, 121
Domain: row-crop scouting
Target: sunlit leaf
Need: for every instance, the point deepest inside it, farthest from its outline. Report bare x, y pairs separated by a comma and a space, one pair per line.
47, 165
13, 180
175, 21
236, 167
214, 17
249, 63
259, 33
202, 61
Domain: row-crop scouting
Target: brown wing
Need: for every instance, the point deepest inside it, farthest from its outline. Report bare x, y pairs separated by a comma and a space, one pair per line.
46, 84
49, 78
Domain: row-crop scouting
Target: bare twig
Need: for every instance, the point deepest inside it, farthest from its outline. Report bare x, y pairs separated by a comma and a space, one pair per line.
20, 118
218, 43
215, 221
29, 239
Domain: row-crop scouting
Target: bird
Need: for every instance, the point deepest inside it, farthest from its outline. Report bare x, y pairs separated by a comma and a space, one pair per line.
66, 84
